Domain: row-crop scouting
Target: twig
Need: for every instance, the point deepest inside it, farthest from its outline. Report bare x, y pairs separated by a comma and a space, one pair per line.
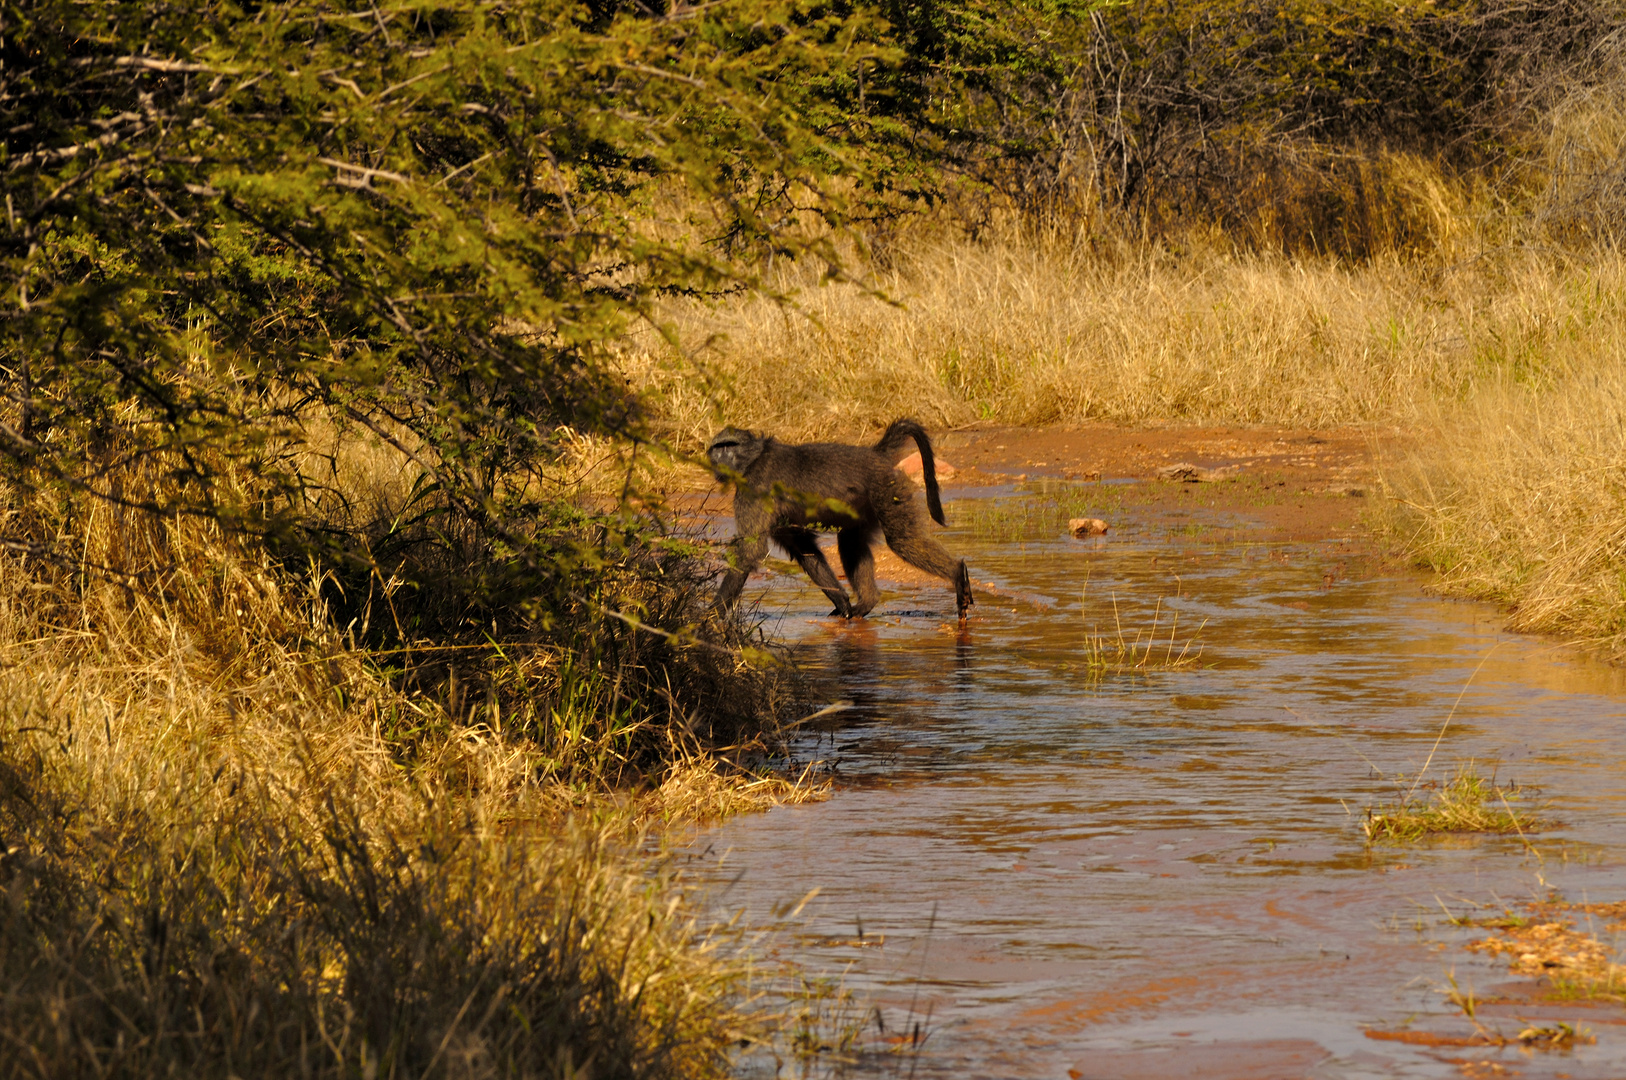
363, 172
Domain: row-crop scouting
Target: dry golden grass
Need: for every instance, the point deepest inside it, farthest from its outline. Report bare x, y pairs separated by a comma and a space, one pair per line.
1521, 497
1053, 331
217, 859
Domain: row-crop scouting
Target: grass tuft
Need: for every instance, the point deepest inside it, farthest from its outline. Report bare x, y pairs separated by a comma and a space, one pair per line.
1136, 651
1467, 803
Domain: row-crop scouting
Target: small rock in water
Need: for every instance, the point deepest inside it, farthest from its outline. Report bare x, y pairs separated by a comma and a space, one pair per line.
1082, 527
912, 466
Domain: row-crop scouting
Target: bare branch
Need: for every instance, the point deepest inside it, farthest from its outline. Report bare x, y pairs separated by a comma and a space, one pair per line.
359, 176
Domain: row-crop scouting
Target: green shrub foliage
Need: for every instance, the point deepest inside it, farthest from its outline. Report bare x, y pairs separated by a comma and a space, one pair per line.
228, 227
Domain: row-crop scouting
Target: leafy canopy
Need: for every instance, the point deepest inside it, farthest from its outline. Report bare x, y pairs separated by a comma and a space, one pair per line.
230, 224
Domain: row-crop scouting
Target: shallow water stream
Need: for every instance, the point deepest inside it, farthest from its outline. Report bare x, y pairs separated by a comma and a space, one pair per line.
1059, 872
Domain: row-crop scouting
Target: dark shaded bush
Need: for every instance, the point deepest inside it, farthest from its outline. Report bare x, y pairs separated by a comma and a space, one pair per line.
1289, 124
218, 928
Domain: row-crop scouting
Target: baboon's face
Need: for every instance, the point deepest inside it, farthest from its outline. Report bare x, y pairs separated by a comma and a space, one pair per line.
732, 451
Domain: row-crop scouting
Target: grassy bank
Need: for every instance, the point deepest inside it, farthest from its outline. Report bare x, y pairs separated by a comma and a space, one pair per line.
234, 844
1518, 496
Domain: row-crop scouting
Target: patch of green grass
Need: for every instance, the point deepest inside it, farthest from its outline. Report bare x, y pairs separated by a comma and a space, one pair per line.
1041, 512
1467, 803
1566, 986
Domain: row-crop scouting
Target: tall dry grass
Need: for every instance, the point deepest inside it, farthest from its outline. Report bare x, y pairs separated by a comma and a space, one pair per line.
233, 847
1515, 490
1518, 495
1051, 331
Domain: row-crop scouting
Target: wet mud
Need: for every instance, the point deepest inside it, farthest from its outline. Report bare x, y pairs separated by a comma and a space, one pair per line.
1064, 859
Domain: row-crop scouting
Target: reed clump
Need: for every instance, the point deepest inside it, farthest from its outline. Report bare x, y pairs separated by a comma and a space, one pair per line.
1466, 803
1136, 650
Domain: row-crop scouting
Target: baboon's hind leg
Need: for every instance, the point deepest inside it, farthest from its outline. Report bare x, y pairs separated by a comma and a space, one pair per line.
962, 590
859, 564
905, 534
803, 546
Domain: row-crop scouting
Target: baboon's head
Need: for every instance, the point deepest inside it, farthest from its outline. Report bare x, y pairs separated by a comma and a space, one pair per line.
732, 451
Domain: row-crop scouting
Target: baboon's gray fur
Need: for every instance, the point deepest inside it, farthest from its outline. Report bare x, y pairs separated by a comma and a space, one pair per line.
783, 490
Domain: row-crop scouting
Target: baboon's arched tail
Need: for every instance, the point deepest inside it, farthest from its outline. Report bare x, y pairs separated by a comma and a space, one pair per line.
896, 438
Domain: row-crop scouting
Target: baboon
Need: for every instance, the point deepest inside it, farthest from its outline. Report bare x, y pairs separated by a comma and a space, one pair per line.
782, 491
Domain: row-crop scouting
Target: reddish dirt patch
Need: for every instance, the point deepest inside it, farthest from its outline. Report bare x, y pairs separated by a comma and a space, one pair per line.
1429, 1038
1299, 485
1337, 456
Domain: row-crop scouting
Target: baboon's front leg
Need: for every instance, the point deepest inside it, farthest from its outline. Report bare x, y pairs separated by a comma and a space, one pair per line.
803, 546
746, 554
859, 563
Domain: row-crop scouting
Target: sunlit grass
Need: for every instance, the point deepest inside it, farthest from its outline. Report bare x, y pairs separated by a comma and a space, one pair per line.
236, 843
1467, 803
1029, 330
1517, 499
1124, 650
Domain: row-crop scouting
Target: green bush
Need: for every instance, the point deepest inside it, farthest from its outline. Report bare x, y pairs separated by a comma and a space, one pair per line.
243, 237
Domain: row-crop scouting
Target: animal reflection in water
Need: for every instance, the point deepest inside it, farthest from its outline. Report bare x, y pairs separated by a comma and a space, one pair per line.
783, 490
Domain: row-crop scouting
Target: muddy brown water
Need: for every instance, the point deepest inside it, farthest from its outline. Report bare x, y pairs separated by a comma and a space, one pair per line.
1159, 874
